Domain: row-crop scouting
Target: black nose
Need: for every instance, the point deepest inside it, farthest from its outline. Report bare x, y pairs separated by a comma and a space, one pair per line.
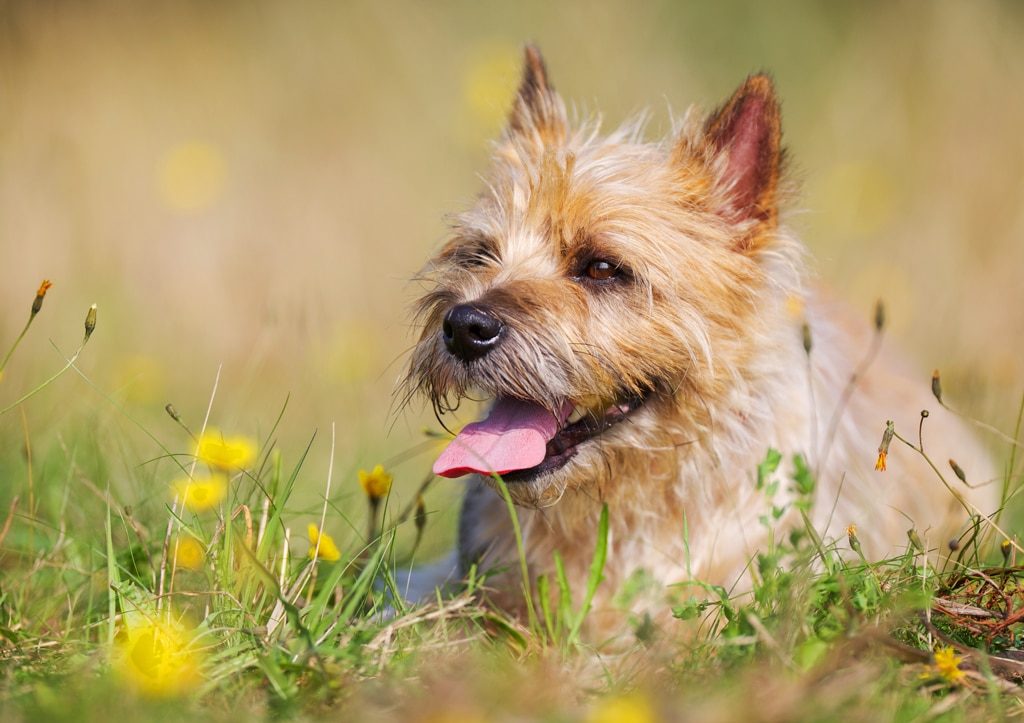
469, 332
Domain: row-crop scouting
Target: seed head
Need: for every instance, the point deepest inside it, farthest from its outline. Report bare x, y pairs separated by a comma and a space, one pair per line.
953, 544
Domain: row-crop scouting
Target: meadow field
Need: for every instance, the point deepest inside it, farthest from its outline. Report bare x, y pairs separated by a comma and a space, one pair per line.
245, 192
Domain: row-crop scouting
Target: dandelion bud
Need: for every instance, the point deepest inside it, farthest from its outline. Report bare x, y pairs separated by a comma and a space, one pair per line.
1005, 547
937, 385
172, 413
806, 331
37, 304
879, 315
953, 544
421, 515
90, 323
851, 536
915, 540
958, 471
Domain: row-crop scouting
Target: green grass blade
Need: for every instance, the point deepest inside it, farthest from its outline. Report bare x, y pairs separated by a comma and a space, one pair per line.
596, 574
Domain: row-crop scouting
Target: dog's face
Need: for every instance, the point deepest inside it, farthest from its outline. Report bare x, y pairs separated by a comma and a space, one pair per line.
601, 289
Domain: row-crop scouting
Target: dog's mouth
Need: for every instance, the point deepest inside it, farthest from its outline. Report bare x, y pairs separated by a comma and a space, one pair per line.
521, 440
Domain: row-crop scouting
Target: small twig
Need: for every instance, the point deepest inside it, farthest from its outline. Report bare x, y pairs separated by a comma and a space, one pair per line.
10, 519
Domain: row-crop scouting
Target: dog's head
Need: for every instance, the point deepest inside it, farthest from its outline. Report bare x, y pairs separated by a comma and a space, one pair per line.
602, 288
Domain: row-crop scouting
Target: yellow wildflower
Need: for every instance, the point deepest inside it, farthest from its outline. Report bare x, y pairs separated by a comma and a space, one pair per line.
632, 708
156, 656
227, 453
327, 550
880, 464
202, 493
376, 483
946, 666
191, 554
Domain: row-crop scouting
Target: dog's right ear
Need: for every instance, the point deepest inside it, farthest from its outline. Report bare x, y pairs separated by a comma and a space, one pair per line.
538, 111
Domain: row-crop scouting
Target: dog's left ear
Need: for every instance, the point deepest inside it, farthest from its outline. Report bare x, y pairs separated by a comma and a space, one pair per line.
538, 111
744, 138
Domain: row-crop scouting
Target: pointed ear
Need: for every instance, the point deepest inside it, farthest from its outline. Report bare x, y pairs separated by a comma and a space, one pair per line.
745, 136
538, 110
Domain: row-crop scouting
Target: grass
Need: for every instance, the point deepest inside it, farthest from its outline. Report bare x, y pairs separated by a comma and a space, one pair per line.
130, 600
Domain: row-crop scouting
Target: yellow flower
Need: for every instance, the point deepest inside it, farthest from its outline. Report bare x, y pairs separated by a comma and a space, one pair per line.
632, 708
328, 550
947, 666
227, 453
202, 493
376, 483
191, 554
156, 656
880, 464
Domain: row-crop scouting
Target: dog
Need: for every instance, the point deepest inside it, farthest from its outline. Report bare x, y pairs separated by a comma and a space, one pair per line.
641, 320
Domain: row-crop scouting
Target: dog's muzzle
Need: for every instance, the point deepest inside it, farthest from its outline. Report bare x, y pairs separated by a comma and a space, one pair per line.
470, 331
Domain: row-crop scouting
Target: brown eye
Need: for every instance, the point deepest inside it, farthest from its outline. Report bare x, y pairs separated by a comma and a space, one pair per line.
600, 270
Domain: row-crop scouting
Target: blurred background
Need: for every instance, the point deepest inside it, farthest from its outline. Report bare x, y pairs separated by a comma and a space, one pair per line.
254, 184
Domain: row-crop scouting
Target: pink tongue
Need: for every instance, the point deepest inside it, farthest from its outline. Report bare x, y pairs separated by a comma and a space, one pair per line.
514, 436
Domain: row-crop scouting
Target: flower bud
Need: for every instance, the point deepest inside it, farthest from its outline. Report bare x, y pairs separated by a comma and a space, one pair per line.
879, 315
958, 471
90, 322
37, 304
937, 385
883, 448
851, 536
421, 515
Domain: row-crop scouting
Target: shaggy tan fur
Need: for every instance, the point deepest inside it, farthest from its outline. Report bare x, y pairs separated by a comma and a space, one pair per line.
704, 319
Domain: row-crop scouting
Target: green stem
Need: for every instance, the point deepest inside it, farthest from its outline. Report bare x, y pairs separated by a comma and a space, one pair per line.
29, 395
521, 551
3, 364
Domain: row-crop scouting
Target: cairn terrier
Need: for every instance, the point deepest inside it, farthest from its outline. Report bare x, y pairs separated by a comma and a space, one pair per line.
638, 316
